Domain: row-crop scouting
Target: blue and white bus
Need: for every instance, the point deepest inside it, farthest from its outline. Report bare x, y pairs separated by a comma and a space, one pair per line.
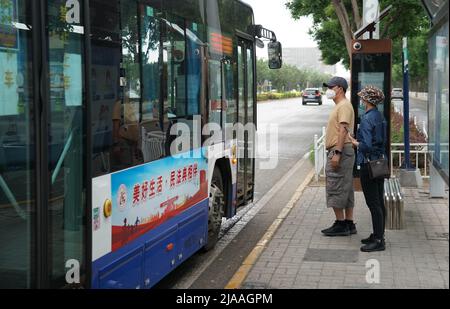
91, 194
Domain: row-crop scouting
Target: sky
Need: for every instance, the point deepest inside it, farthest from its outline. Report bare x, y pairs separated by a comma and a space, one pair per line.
274, 15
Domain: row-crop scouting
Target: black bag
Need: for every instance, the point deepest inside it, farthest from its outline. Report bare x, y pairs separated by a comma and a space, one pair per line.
379, 169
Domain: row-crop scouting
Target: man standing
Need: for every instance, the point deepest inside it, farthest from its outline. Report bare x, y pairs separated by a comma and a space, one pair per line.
341, 159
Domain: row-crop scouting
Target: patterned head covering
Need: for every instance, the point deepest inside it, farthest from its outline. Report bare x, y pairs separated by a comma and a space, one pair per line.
372, 94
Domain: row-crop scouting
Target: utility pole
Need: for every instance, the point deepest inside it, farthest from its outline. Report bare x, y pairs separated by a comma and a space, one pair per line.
407, 163
409, 177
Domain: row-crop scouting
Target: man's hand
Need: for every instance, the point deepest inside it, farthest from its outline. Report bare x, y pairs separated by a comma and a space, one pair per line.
335, 162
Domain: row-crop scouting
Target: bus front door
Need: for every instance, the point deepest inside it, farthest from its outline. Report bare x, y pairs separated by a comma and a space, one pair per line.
43, 177
247, 118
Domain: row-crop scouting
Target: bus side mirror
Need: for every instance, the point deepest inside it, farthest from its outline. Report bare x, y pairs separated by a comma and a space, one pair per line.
275, 55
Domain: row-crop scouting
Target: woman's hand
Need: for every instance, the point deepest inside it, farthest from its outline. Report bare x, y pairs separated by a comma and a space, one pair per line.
354, 141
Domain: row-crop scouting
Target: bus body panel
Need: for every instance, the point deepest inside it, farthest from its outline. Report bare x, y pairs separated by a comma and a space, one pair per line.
154, 254
224, 151
171, 221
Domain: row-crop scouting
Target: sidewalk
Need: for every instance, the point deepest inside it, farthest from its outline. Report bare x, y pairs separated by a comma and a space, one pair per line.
299, 257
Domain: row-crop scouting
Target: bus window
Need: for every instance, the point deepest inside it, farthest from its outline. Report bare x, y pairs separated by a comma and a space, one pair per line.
17, 154
65, 142
153, 122
126, 111
194, 67
250, 120
174, 51
230, 108
215, 92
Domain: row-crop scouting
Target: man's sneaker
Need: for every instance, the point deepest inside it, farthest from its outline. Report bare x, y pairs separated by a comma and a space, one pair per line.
351, 227
375, 245
339, 229
331, 227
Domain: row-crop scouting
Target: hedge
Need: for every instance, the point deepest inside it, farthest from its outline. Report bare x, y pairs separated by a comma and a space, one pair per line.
266, 96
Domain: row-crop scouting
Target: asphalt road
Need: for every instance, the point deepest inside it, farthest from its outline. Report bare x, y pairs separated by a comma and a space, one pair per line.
296, 125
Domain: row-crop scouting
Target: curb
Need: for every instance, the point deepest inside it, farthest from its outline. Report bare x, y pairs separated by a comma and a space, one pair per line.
243, 271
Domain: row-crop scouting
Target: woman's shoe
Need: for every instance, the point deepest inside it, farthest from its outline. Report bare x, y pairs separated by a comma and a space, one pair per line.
368, 240
375, 245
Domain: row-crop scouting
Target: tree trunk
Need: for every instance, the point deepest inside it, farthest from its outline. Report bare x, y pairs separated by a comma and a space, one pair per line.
345, 24
356, 14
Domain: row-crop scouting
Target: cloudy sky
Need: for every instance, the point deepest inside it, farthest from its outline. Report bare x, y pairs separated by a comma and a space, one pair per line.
274, 15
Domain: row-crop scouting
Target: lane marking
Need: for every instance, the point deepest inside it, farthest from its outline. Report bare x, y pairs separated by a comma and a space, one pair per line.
242, 273
237, 223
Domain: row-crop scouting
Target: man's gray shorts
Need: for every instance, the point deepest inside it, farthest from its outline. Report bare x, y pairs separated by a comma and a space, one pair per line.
339, 187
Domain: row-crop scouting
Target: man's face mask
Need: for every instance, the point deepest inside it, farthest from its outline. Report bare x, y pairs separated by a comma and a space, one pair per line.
331, 94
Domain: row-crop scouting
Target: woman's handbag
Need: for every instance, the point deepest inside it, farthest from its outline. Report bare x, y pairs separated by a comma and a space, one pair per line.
379, 169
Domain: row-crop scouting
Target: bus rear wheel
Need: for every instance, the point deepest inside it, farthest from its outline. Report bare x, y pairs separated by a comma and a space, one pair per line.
216, 207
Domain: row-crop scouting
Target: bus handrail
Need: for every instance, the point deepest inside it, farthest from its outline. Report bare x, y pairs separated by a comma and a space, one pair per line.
62, 157
11, 198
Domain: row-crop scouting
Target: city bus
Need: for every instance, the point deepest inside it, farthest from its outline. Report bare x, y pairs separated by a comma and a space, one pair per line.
93, 192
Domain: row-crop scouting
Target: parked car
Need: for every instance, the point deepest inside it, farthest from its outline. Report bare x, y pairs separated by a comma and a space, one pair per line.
312, 95
397, 93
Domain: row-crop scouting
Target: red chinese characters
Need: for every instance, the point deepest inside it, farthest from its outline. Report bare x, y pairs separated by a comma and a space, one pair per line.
136, 194
195, 170
184, 177
179, 176
152, 189
159, 183
190, 172
172, 179
144, 191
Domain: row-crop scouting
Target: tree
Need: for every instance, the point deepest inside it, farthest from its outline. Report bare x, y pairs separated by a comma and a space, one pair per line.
335, 21
288, 77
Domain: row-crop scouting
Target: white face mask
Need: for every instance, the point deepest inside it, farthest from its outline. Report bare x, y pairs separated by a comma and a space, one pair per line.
331, 94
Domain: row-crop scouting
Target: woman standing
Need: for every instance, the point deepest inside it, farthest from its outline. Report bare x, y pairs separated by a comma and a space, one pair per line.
371, 139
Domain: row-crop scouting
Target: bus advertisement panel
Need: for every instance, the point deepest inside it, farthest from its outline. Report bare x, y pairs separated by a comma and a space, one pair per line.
139, 199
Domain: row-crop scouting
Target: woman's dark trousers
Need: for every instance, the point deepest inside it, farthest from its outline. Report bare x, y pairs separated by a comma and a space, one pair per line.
374, 195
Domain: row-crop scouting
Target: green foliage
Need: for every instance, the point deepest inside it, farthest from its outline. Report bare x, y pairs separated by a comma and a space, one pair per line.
288, 77
266, 96
312, 155
406, 19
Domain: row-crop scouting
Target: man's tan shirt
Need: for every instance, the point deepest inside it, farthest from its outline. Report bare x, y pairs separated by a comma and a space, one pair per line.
342, 113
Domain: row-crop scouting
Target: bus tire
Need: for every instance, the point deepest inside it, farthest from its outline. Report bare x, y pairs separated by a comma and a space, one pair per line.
216, 207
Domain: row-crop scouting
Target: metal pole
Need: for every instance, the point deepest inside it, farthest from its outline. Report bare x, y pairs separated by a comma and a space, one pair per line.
316, 157
407, 163
324, 132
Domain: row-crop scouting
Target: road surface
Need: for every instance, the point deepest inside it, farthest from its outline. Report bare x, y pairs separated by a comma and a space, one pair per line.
296, 125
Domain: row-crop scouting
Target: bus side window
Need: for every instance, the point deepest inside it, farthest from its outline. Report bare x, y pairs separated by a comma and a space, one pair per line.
174, 45
154, 123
